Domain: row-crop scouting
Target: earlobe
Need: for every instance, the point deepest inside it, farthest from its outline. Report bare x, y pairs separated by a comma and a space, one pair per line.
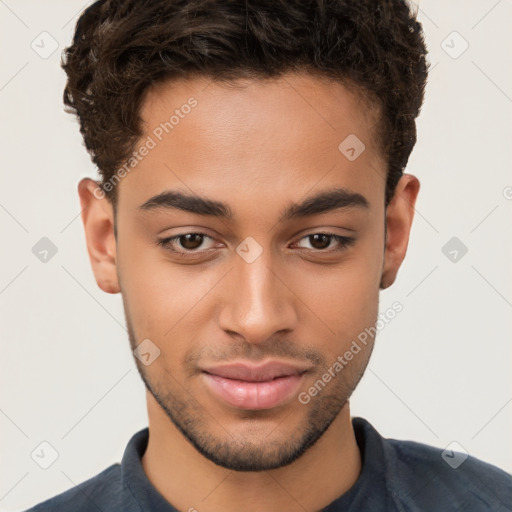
399, 217
98, 221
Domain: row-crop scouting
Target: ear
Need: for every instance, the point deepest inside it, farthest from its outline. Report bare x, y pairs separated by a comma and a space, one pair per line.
399, 216
98, 220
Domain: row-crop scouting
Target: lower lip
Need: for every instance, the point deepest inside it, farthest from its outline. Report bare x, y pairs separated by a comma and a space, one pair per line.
253, 395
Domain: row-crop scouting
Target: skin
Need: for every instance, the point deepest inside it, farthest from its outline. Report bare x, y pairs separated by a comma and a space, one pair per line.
257, 147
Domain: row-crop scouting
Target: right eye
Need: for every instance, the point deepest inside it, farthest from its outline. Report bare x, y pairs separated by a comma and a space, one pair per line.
188, 243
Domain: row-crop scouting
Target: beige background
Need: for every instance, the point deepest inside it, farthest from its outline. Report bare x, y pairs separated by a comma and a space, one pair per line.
441, 369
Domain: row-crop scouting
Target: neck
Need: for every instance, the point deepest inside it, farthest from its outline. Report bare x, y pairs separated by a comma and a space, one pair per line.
189, 481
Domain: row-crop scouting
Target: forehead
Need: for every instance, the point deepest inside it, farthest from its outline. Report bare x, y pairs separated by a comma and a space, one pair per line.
255, 140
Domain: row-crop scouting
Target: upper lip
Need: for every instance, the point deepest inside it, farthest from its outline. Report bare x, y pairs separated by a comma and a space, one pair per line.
256, 373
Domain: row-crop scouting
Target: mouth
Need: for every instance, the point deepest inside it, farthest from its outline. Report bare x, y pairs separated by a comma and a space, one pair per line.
246, 386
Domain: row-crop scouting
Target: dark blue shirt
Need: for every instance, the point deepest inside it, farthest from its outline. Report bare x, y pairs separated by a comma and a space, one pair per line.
395, 476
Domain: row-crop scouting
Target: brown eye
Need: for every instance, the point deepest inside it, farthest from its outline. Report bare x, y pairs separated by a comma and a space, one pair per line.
322, 242
186, 244
191, 241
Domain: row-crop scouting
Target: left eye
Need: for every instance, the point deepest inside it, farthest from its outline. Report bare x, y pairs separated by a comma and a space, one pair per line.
322, 241
190, 243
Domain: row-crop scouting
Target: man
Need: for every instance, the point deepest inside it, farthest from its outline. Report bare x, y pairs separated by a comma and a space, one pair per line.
252, 203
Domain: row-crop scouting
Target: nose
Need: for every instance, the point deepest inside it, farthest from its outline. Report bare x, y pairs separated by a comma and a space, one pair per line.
258, 302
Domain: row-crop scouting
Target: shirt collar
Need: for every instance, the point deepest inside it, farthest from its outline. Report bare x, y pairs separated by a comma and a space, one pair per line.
135, 480
370, 491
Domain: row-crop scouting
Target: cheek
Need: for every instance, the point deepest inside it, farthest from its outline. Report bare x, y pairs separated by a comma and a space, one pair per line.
346, 299
346, 296
160, 295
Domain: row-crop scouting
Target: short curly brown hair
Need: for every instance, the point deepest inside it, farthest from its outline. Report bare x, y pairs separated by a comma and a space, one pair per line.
123, 47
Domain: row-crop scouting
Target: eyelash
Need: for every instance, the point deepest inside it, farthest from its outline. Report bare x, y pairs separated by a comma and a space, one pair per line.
343, 241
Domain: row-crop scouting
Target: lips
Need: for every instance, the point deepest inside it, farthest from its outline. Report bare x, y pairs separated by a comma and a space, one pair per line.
247, 386
252, 373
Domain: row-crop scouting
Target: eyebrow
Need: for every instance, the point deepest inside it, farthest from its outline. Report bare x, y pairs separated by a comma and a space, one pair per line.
322, 202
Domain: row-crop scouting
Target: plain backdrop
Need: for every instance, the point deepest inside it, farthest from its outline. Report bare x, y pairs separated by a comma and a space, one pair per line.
440, 371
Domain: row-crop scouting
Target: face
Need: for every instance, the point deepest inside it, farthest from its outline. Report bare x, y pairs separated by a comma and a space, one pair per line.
254, 291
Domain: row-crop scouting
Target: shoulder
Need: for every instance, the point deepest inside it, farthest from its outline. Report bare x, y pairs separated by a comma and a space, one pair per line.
101, 492
432, 476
